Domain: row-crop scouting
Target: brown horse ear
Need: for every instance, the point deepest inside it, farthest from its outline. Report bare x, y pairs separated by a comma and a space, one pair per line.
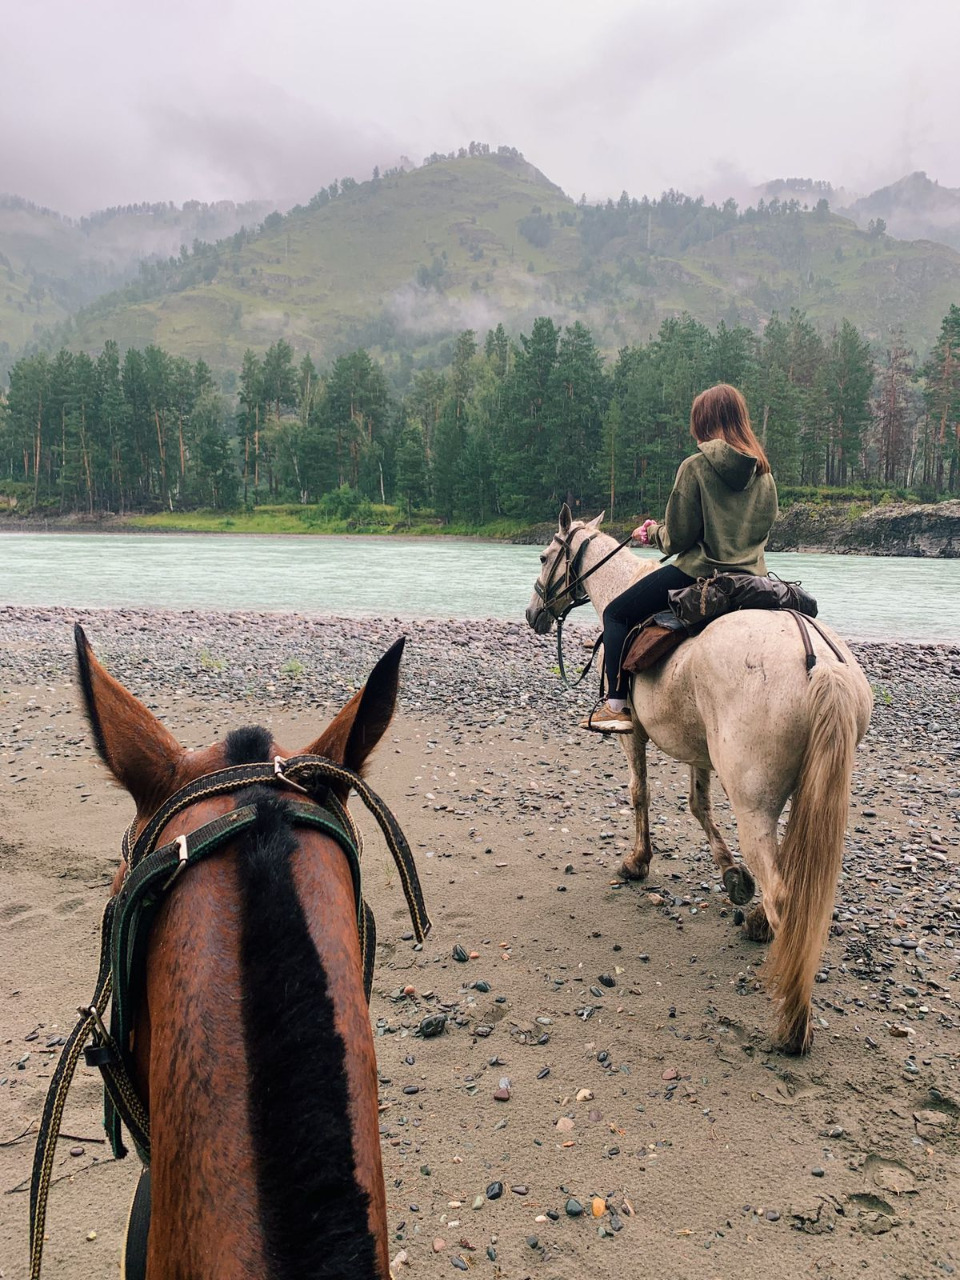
566, 518
140, 753
353, 734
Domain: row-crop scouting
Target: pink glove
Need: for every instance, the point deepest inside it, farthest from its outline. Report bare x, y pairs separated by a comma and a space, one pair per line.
641, 534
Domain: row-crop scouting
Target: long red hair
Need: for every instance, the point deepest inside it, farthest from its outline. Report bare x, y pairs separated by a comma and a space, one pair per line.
721, 412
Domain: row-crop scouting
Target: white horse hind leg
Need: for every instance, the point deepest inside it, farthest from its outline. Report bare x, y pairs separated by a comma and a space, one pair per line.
758, 848
737, 879
756, 817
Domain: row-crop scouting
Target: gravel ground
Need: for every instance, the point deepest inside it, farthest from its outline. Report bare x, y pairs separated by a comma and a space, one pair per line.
628, 1021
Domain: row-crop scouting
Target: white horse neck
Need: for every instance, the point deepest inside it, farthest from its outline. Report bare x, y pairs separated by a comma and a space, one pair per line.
615, 576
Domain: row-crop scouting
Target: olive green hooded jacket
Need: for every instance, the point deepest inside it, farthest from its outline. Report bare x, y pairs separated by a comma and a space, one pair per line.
719, 514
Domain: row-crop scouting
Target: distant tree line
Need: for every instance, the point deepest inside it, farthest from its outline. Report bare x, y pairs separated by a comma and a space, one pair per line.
511, 427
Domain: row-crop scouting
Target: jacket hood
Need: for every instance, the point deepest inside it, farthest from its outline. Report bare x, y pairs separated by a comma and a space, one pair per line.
734, 468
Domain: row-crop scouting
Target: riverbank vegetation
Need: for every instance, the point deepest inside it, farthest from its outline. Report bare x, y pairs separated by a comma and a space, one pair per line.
498, 437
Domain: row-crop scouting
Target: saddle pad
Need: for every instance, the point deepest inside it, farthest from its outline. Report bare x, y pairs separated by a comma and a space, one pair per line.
649, 645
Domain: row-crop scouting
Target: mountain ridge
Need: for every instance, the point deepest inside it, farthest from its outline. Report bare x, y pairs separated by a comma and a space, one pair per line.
399, 261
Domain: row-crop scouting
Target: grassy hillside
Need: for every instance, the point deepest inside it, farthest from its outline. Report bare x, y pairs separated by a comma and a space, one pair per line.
399, 263
51, 265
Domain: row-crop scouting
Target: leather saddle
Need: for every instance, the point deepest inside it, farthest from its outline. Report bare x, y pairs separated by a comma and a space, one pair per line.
693, 608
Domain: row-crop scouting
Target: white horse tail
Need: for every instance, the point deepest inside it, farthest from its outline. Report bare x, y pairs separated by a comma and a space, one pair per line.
811, 854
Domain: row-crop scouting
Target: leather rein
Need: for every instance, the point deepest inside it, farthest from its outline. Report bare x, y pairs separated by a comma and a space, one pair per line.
572, 585
151, 872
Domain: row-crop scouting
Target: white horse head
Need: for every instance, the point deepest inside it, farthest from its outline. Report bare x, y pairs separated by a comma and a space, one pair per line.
561, 563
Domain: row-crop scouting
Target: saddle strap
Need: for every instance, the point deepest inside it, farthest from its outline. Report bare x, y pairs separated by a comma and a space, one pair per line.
803, 622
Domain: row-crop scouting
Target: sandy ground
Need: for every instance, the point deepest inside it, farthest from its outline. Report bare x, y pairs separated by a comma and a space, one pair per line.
735, 1160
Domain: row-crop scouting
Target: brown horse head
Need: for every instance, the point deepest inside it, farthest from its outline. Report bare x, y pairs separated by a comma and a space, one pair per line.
253, 1045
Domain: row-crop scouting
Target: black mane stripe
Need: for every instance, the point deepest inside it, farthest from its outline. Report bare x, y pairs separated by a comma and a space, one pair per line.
313, 1210
248, 746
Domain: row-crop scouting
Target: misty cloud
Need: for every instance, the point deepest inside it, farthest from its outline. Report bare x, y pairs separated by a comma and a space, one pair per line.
110, 103
266, 146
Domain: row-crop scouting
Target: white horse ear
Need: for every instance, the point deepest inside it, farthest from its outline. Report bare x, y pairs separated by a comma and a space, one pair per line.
595, 524
566, 519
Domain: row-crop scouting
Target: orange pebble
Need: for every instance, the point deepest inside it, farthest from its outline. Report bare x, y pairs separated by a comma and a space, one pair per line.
598, 1207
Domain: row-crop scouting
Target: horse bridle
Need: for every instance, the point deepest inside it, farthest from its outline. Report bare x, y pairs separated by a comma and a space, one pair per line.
572, 585
572, 562
151, 872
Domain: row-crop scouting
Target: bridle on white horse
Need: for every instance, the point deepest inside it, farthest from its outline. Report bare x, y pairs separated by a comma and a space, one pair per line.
552, 593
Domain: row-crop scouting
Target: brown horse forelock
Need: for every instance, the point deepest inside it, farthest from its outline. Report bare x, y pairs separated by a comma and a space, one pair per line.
254, 992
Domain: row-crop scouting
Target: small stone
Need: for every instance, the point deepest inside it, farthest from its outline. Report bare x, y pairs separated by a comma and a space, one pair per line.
817, 1172
598, 1207
573, 1208
76, 1151
584, 1095
616, 1223
432, 1025
478, 1202
521, 1189
91, 1235
533, 1242
491, 1253
606, 980
439, 1245
501, 1095
671, 1073
400, 1259
772, 1215
459, 1263
459, 954
565, 1124
409, 991
411, 1089
543, 1073
494, 1190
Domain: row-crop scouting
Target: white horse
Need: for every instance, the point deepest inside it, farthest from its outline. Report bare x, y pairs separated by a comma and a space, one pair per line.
738, 698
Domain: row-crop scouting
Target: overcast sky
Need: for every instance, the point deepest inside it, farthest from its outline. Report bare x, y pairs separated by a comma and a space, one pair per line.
114, 101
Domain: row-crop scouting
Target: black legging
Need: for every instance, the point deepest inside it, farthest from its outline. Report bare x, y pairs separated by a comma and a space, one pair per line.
646, 596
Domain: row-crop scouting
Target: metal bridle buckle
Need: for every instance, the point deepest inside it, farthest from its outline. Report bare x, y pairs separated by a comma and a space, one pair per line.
278, 765
91, 1011
181, 843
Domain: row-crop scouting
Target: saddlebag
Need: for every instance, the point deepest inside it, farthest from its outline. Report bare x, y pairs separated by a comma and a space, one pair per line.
710, 598
652, 640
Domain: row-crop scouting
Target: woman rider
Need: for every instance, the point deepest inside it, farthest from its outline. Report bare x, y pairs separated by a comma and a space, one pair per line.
718, 517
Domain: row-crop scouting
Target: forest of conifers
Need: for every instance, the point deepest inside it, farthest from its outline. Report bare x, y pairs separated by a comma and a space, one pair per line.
508, 428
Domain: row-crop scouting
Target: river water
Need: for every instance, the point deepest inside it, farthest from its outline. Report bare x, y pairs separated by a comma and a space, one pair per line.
863, 597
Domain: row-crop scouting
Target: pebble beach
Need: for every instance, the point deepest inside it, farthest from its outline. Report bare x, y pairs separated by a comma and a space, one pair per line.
603, 1098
